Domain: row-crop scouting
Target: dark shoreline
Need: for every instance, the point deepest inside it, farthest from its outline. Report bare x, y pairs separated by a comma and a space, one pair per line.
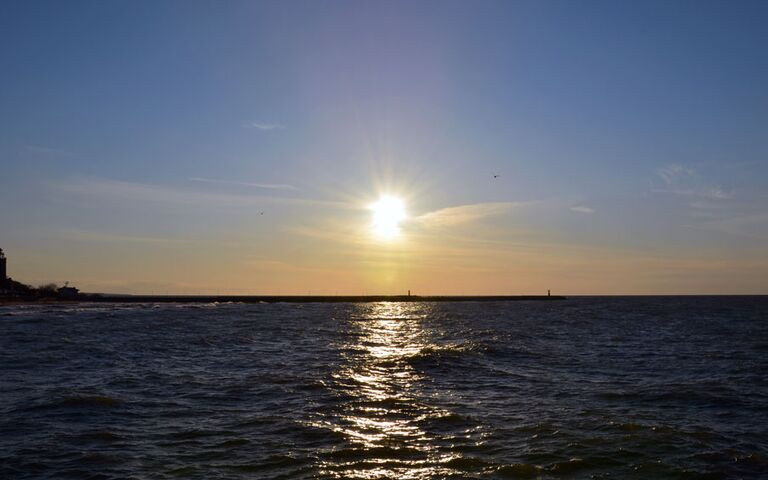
291, 298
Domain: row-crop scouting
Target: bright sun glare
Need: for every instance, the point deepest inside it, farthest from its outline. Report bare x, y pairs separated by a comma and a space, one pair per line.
388, 212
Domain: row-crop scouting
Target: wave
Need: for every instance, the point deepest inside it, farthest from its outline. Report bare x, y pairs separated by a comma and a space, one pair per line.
97, 436
78, 402
453, 351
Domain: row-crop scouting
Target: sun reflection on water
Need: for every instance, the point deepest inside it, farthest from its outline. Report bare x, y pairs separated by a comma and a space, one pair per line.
382, 407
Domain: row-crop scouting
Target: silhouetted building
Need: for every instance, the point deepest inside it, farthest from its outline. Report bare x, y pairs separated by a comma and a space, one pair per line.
68, 292
3, 272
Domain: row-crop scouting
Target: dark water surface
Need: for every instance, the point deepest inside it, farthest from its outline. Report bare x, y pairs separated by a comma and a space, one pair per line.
657, 388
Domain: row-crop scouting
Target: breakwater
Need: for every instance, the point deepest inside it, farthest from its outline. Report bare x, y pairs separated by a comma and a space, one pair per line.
316, 298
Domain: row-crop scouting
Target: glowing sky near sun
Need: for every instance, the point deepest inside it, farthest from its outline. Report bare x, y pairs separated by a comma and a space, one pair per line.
376, 147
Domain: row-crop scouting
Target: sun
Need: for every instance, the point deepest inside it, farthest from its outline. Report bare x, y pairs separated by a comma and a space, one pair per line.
388, 212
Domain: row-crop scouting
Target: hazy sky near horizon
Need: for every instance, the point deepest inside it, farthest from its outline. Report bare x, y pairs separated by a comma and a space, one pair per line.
141, 141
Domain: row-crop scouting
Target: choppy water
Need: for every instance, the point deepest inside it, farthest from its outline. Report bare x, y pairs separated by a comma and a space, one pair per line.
585, 388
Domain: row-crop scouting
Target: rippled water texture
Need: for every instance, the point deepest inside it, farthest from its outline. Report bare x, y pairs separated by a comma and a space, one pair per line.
585, 388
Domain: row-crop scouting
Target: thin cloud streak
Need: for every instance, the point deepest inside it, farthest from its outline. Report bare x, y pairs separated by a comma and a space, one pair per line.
50, 151
270, 186
178, 196
451, 216
266, 126
709, 192
582, 209
93, 236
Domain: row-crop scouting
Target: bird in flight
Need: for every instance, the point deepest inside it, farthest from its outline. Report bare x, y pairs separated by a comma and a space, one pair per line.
496, 176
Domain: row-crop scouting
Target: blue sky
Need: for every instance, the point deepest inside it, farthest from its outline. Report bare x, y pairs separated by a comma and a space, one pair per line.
140, 142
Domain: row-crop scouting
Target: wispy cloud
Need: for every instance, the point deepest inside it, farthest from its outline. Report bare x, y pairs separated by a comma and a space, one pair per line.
271, 186
266, 126
143, 192
451, 216
49, 151
711, 208
754, 225
87, 235
582, 209
672, 173
744, 216
684, 181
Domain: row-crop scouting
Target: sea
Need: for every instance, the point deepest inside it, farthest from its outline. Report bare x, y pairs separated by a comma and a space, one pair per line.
588, 387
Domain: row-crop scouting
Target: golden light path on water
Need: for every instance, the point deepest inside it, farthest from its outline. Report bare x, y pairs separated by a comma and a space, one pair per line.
383, 407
